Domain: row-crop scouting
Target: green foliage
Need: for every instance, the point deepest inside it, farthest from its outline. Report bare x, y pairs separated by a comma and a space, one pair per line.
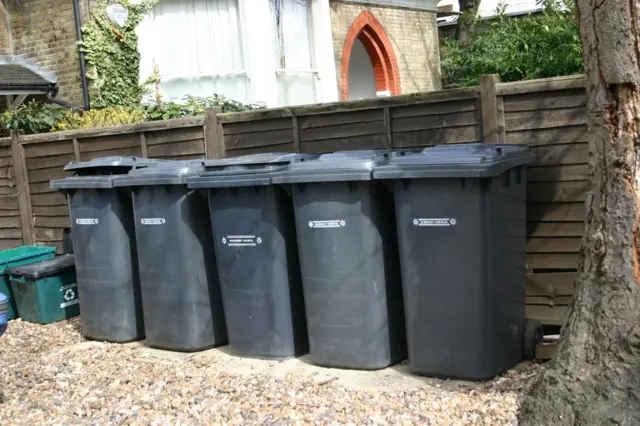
534, 46
113, 57
193, 106
32, 117
110, 116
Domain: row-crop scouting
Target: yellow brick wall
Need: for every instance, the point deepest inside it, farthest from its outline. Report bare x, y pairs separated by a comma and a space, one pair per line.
413, 35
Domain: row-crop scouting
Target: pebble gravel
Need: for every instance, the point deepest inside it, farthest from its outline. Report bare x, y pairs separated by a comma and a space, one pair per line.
48, 377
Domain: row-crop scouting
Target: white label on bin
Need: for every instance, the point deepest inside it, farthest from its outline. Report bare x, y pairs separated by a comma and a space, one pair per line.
241, 240
338, 223
153, 221
435, 221
87, 221
70, 295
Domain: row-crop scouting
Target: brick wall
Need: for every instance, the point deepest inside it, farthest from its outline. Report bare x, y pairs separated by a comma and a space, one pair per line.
44, 30
413, 34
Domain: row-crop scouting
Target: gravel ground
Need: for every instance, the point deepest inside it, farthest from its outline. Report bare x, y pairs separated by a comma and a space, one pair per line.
49, 377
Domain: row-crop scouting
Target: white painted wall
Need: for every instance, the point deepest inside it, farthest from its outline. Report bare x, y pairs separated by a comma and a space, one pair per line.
362, 81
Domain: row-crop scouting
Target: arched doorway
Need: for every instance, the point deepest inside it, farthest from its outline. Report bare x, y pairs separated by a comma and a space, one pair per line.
369, 67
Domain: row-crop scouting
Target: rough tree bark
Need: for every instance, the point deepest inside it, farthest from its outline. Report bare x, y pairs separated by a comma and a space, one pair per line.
595, 376
466, 21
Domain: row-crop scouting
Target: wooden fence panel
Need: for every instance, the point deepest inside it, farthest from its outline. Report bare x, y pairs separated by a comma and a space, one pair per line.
10, 223
551, 119
547, 115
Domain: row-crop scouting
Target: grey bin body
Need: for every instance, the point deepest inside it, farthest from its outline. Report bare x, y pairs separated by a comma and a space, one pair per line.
348, 256
181, 298
256, 254
104, 247
462, 235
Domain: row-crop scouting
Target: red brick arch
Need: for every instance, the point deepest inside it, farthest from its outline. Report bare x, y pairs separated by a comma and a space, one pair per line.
368, 30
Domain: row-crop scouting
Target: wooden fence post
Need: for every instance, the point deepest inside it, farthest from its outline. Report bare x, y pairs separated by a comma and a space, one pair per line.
213, 135
493, 128
22, 189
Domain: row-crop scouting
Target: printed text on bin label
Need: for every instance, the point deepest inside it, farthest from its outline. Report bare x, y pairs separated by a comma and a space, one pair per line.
337, 223
87, 221
153, 221
241, 240
435, 221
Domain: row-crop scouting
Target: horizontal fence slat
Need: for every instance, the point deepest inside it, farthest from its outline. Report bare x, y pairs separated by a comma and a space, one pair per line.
542, 137
555, 229
257, 139
422, 138
544, 100
339, 131
52, 222
443, 121
9, 213
547, 315
49, 162
133, 151
40, 188
46, 149
541, 85
174, 135
46, 175
10, 221
544, 119
108, 143
551, 284
50, 211
8, 243
357, 142
336, 119
552, 260
434, 109
557, 191
113, 130
558, 155
549, 301
232, 128
51, 199
8, 202
554, 245
556, 212
563, 173
10, 233
283, 147
194, 147
48, 234
7, 190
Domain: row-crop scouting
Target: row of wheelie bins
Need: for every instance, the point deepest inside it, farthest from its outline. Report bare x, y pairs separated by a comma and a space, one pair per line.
359, 258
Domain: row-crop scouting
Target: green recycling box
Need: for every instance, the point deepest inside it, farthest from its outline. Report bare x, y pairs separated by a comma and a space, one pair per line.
46, 291
15, 257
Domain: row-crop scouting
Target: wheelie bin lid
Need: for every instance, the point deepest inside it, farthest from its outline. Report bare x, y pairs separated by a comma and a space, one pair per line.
247, 170
473, 160
99, 172
339, 166
169, 173
45, 268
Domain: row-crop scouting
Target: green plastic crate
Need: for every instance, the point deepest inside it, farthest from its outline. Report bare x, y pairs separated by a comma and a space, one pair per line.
15, 257
46, 291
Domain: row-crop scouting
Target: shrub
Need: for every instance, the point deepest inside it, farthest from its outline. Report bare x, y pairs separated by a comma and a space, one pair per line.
110, 116
32, 117
534, 46
190, 106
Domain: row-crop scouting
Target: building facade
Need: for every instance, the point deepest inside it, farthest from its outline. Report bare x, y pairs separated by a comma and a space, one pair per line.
278, 52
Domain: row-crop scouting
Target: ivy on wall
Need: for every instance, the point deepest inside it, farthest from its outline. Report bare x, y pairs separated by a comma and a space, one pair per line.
112, 56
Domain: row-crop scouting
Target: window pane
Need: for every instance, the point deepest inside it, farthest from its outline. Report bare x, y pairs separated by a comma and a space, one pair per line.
183, 38
296, 89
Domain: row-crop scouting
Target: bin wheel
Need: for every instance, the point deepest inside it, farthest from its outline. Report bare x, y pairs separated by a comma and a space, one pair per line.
532, 336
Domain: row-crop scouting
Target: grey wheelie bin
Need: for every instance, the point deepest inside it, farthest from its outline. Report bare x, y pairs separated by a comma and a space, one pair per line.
460, 213
104, 247
181, 299
348, 258
256, 254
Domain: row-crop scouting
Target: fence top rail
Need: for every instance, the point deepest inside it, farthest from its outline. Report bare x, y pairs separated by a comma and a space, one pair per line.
541, 85
347, 106
109, 131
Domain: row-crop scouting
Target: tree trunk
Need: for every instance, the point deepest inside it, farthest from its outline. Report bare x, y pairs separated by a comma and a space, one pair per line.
594, 378
466, 21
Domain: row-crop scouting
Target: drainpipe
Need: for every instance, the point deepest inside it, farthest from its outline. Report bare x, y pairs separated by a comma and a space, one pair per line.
83, 65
